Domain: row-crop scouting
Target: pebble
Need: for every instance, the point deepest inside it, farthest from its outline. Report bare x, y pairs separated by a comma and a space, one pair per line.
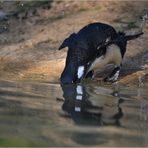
3, 16
3, 29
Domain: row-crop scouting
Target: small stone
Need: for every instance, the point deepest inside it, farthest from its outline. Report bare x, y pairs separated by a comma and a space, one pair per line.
3, 16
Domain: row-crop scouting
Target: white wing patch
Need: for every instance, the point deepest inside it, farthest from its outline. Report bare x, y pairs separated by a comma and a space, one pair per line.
80, 71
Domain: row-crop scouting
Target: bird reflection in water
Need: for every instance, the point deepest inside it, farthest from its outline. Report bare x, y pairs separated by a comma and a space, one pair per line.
79, 107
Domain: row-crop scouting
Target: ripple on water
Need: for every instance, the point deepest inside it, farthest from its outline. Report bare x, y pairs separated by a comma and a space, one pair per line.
42, 114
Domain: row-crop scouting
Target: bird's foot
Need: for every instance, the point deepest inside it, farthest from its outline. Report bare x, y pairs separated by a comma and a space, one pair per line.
113, 78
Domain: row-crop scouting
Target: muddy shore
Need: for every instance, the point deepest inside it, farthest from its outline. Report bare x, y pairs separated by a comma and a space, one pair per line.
32, 32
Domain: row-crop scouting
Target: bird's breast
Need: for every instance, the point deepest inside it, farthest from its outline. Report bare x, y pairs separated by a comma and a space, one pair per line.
112, 56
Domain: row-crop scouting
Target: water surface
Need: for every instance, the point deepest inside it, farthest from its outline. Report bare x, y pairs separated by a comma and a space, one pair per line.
44, 114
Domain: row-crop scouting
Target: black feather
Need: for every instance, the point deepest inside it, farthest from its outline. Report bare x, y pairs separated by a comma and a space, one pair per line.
68, 42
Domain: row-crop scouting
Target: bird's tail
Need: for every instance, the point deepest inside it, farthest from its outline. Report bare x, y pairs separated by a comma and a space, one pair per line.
132, 37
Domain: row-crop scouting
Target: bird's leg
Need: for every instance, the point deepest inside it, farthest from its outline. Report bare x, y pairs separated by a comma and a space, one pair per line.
114, 75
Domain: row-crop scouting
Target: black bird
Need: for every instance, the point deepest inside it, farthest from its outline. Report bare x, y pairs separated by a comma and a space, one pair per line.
94, 46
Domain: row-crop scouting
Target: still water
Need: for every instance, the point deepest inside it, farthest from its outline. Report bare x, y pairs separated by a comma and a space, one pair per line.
93, 114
